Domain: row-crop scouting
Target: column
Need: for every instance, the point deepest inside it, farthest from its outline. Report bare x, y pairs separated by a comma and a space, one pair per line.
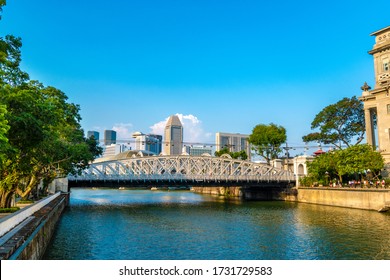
370, 132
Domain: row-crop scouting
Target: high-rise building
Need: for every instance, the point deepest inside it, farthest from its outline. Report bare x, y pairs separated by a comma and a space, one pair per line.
148, 142
377, 101
95, 135
197, 150
157, 146
109, 137
173, 136
114, 149
234, 142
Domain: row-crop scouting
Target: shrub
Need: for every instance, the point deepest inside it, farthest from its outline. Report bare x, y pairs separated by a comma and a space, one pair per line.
9, 210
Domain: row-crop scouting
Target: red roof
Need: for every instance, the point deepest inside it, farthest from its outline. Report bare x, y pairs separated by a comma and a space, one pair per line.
319, 152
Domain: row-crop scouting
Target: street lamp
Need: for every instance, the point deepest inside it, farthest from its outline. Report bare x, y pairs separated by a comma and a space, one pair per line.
369, 177
287, 148
327, 178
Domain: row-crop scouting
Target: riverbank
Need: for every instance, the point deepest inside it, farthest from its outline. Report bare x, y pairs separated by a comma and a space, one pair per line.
377, 199
358, 198
28, 231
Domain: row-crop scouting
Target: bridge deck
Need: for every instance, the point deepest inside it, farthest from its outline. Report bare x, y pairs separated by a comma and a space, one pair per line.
185, 170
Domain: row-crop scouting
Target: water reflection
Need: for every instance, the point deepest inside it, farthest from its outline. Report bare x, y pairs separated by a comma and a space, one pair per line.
143, 224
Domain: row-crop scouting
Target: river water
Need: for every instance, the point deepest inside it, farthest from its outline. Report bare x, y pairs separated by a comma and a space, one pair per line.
112, 224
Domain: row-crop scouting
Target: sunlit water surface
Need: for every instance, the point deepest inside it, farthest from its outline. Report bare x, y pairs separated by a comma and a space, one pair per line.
110, 224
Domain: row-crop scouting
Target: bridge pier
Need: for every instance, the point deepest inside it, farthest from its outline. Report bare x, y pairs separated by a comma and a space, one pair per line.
263, 193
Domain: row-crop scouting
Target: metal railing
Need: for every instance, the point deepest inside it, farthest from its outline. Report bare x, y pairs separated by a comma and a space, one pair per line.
183, 169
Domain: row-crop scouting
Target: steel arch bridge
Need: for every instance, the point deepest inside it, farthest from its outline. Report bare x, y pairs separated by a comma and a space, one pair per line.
183, 169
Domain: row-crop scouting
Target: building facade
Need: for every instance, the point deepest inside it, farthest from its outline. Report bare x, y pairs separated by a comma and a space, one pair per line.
197, 150
173, 136
148, 142
114, 149
95, 135
300, 167
235, 142
156, 146
109, 137
377, 100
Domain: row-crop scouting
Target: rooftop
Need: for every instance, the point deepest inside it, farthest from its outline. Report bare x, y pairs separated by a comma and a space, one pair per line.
173, 120
380, 31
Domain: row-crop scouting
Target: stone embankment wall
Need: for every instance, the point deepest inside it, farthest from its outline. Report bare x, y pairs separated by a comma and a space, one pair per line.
248, 193
360, 198
59, 185
29, 239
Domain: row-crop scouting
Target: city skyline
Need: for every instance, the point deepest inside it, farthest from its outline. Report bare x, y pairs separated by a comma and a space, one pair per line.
221, 68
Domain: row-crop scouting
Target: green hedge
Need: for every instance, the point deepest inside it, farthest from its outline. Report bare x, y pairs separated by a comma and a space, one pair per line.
9, 210
25, 202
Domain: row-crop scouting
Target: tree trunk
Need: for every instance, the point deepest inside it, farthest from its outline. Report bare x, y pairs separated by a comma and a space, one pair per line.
31, 185
5, 199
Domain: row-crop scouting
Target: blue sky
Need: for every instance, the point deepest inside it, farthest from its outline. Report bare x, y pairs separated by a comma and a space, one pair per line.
225, 66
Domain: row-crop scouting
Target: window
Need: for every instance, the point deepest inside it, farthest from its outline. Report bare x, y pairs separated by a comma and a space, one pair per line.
301, 169
388, 108
386, 65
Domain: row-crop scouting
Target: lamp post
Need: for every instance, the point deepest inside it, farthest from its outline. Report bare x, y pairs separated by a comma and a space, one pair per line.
287, 148
369, 177
327, 178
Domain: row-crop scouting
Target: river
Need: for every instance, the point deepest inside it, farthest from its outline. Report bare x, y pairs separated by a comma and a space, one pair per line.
112, 224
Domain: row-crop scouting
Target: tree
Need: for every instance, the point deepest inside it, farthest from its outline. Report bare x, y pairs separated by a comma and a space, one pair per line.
4, 127
40, 133
46, 138
339, 124
10, 58
325, 165
240, 155
2, 3
350, 162
358, 159
236, 155
266, 140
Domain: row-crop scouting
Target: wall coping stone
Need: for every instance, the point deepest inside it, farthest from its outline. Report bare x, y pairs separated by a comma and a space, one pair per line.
9, 222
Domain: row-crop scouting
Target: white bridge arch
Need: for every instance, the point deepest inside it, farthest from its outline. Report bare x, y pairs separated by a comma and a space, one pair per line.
183, 169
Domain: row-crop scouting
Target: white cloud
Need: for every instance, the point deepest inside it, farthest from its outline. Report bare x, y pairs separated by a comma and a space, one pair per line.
158, 128
192, 129
123, 130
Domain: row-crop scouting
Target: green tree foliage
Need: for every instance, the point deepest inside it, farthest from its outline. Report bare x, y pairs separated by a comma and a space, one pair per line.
325, 165
351, 161
4, 127
236, 155
339, 124
10, 58
40, 133
266, 140
46, 138
2, 3
358, 159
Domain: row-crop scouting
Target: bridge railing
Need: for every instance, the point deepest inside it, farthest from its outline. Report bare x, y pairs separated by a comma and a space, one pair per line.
183, 169
184, 178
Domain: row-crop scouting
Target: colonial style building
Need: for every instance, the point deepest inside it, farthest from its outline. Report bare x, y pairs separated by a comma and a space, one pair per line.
377, 100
